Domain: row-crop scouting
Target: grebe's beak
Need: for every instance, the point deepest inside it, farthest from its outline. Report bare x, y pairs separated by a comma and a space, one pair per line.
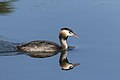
76, 64
76, 36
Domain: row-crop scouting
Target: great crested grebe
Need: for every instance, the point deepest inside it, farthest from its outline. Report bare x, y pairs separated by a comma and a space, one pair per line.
64, 63
48, 46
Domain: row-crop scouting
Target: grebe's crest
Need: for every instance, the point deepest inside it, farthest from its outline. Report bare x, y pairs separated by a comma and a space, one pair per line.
68, 29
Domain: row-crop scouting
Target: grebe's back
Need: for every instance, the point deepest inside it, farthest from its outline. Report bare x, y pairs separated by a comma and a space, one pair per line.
39, 46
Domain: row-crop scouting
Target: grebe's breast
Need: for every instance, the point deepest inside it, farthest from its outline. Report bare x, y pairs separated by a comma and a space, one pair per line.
39, 46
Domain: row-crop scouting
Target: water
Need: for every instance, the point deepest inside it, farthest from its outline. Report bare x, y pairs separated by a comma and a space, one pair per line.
97, 51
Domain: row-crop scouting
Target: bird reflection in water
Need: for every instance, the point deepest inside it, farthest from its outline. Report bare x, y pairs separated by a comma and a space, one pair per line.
64, 63
41, 54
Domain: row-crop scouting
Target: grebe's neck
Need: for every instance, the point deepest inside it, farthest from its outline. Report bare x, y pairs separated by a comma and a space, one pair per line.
63, 41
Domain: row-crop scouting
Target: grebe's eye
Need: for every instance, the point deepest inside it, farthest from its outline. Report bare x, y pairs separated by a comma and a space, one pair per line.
71, 67
70, 32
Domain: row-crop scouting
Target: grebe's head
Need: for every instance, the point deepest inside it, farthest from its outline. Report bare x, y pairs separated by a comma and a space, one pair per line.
65, 32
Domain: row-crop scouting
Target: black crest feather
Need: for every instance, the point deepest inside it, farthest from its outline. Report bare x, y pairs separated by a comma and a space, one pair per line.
67, 29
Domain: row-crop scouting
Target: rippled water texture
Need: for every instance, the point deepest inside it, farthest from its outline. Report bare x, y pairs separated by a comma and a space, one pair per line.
97, 22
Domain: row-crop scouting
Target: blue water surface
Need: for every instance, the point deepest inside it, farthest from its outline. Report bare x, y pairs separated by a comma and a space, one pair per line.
97, 22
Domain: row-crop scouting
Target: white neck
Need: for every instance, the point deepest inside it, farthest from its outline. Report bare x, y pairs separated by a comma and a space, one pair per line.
63, 39
64, 43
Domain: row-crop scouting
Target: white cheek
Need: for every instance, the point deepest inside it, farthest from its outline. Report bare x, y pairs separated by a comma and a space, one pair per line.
66, 33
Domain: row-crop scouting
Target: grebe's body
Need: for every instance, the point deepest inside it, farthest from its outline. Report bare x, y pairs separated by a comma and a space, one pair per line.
40, 46
48, 46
